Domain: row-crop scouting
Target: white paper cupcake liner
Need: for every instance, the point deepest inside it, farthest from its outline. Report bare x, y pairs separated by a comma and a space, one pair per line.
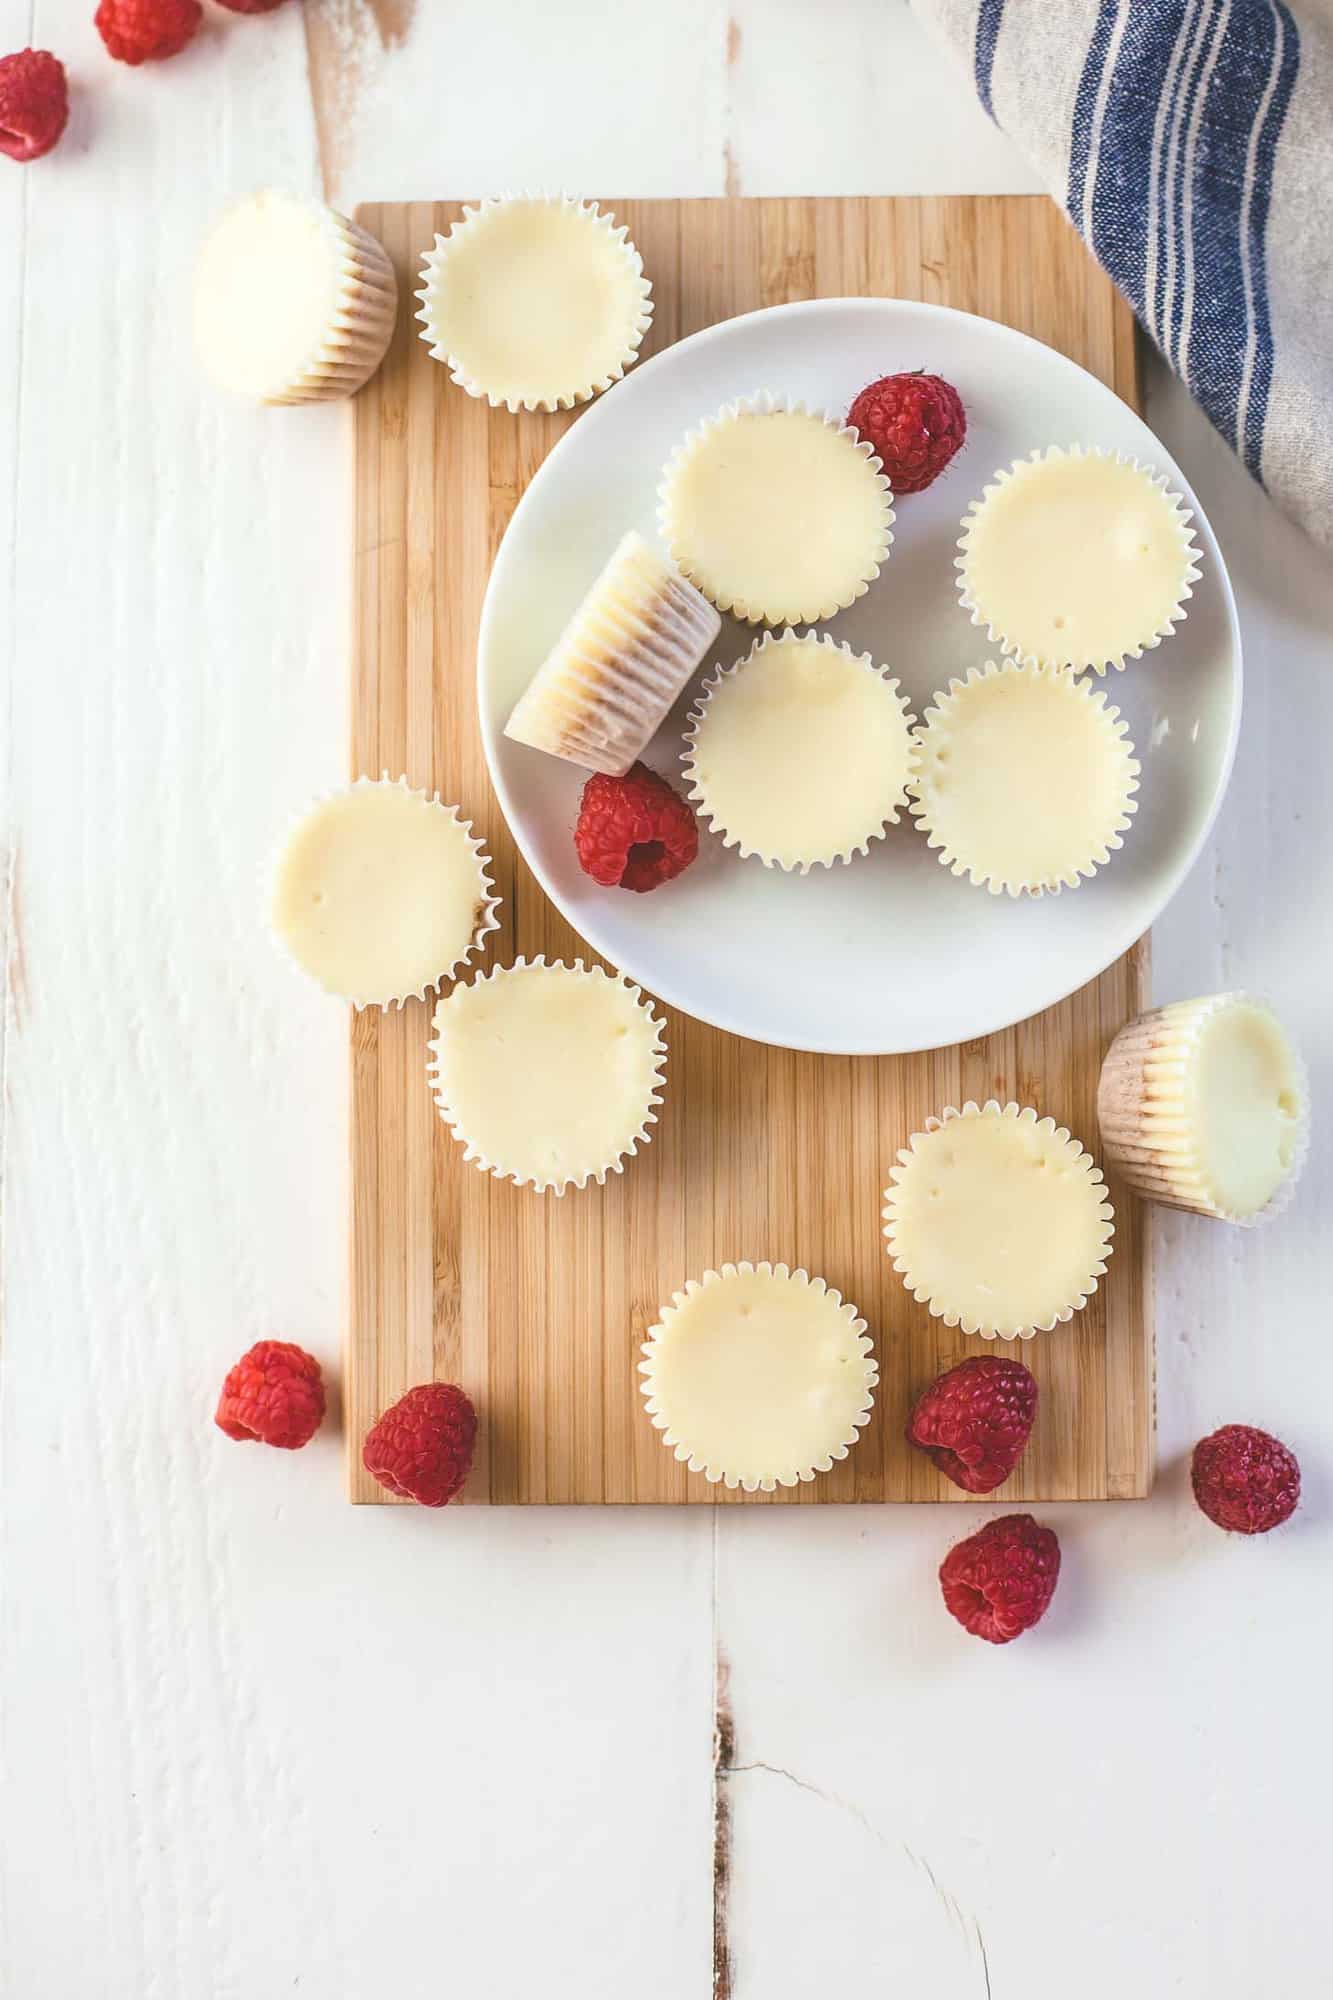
932, 738
563, 396
1013, 645
774, 613
900, 1254
359, 336
698, 792
523, 1175
715, 1470
1144, 1119
488, 904
600, 695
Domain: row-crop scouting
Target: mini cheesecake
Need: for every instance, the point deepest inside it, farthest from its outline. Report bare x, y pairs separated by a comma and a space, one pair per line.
1024, 778
998, 1221
601, 693
778, 514
381, 893
1077, 558
292, 302
800, 754
534, 302
758, 1376
1205, 1105
548, 1075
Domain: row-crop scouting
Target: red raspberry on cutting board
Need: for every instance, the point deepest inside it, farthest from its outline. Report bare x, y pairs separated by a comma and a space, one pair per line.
34, 103
137, 31
1245, 1480
634, 832
274, 1395
421, 1448
974, 1421
916, 424
999, 1581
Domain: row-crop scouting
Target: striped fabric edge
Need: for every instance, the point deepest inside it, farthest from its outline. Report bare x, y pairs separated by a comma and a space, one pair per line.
1165, 89
990, 13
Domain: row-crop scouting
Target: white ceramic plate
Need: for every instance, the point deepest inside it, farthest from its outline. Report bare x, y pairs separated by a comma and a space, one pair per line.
889, 952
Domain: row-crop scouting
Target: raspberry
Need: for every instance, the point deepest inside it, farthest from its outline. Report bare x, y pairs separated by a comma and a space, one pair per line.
34, 103
275, 1394
421, 1449
634, 832
1000, 1580
915, 422
1245, 1480
137, 31
975, 1420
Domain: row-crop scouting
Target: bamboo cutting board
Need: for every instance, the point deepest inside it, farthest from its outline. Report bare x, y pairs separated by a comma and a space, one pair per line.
536, 1305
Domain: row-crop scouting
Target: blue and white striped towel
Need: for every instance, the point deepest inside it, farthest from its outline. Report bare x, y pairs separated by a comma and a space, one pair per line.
1191, 142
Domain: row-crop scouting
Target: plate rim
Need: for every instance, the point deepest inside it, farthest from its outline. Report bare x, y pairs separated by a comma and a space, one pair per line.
870, 305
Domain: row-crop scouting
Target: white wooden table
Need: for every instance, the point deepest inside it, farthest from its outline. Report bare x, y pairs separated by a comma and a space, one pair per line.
259, 1743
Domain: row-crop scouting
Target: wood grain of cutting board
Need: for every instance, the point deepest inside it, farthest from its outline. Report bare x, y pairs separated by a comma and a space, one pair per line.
537, 1305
